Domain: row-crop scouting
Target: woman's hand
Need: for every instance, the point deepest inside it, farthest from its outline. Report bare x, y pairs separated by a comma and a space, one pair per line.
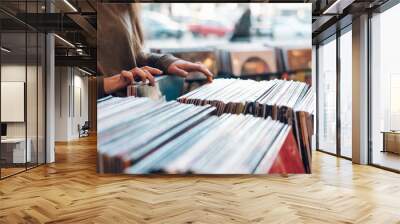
125, 78
182, 68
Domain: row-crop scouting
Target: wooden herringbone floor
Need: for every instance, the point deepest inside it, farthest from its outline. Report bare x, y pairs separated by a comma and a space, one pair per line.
70, 191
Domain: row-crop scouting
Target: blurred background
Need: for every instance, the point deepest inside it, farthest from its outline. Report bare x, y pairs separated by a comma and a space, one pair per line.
245, 40
214, 23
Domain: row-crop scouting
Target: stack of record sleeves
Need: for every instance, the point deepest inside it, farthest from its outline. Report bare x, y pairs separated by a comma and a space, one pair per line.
290, 102
141, 136
143, 90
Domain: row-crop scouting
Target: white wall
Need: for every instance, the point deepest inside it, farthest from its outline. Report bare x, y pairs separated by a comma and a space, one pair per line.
13, 73
16, 73
62, 81
80, 109
71, 102
9, 73
34, 125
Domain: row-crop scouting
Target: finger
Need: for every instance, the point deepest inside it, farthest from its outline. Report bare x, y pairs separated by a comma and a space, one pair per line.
152, 70
150, 78
199, 68
127, 76
191, 67
139, 72
180, 72
207, 73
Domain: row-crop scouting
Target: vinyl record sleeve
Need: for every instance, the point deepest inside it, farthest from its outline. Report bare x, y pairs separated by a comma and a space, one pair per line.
176, 138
